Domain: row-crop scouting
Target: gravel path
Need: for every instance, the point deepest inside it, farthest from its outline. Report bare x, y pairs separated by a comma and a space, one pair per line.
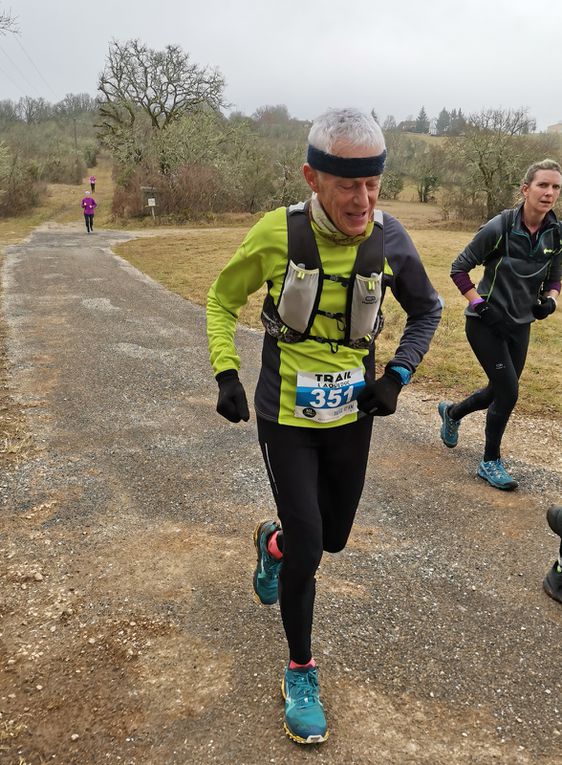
128, 630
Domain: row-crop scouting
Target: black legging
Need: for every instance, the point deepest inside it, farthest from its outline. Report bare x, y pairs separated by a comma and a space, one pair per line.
89, 220
317, 478
503, 361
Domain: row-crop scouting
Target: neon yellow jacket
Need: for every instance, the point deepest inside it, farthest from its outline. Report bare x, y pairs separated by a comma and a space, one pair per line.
261, 259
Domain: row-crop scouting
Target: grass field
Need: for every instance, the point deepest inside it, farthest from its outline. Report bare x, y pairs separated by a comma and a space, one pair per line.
188, 261
187, 264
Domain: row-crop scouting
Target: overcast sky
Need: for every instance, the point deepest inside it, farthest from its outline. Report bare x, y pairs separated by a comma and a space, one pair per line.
309, 55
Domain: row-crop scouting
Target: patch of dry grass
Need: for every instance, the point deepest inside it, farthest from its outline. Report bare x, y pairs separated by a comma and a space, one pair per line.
66, 199
17, 445
9, 731
188, 263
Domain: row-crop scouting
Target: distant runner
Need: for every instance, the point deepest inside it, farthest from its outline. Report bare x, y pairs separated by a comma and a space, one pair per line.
327, 264
520, 252
88, 205
93, 183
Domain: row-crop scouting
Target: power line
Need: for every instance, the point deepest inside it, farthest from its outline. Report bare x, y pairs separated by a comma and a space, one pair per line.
19, 42
18, 70
9, 76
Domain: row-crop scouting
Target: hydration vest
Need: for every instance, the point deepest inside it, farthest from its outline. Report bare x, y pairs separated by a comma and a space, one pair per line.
508, 219
290, 319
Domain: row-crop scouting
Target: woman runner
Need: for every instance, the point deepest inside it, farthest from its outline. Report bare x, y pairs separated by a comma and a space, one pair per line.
520, 252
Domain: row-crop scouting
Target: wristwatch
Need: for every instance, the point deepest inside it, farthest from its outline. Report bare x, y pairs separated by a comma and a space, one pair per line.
404, 374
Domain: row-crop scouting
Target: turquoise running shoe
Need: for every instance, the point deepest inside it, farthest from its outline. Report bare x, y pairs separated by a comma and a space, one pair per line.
266, 574
497, 476
450, 428
305, 721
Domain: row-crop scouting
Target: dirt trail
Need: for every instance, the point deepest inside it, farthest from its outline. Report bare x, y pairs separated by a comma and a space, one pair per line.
128, 631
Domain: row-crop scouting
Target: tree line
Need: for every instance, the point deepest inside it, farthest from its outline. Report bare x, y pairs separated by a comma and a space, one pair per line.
478, 172
447, 123
170, 133
44, 143
161, 116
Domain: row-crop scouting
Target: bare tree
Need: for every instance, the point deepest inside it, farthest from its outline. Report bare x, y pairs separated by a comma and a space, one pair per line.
34, 110
389, 123
74, 104
8, 23
272, 115
9, 111
492, 153
162, 85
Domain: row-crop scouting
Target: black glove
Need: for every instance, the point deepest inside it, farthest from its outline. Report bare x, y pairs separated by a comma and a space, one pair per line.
492, 317
232, 402
544, 307
379, 398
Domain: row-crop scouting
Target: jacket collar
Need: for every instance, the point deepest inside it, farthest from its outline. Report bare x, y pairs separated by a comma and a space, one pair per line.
550, 220
323, 226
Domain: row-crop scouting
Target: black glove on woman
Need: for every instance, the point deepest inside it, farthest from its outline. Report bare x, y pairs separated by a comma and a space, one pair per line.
380, 397
544, 308
492, 317
232, 403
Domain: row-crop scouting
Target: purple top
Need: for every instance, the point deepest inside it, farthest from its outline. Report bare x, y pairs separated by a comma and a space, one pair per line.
89, 205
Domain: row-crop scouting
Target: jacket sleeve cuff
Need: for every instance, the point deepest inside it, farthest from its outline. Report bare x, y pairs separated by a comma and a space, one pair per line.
401, 373
227, 374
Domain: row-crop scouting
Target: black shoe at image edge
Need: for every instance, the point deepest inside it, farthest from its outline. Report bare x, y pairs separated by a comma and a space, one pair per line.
552, 583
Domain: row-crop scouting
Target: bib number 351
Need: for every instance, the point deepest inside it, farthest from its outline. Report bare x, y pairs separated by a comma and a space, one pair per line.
320, 397
328, 396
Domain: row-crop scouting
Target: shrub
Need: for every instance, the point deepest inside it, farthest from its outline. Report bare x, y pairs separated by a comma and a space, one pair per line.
63, 168
392, 185
90, 154
188, 193
19, 191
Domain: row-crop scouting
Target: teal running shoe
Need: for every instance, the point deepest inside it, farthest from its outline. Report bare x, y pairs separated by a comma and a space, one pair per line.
450, 428
266, 575
305, 721
497, 476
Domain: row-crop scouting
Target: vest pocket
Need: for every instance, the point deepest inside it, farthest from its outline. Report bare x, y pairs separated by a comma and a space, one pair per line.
365, 304
298, 297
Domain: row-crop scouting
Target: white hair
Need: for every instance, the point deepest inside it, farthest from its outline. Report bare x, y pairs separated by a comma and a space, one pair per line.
349, 125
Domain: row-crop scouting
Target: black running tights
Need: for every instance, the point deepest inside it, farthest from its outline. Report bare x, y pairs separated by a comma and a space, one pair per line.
502, 360
317, 478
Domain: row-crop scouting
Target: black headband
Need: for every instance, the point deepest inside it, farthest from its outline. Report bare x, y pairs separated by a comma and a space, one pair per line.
345, 167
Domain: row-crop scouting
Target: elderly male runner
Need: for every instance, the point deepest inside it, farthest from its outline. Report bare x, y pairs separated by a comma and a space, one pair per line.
326, 264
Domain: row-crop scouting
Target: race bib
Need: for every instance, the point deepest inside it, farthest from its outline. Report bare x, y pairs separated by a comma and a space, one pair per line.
328, 396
